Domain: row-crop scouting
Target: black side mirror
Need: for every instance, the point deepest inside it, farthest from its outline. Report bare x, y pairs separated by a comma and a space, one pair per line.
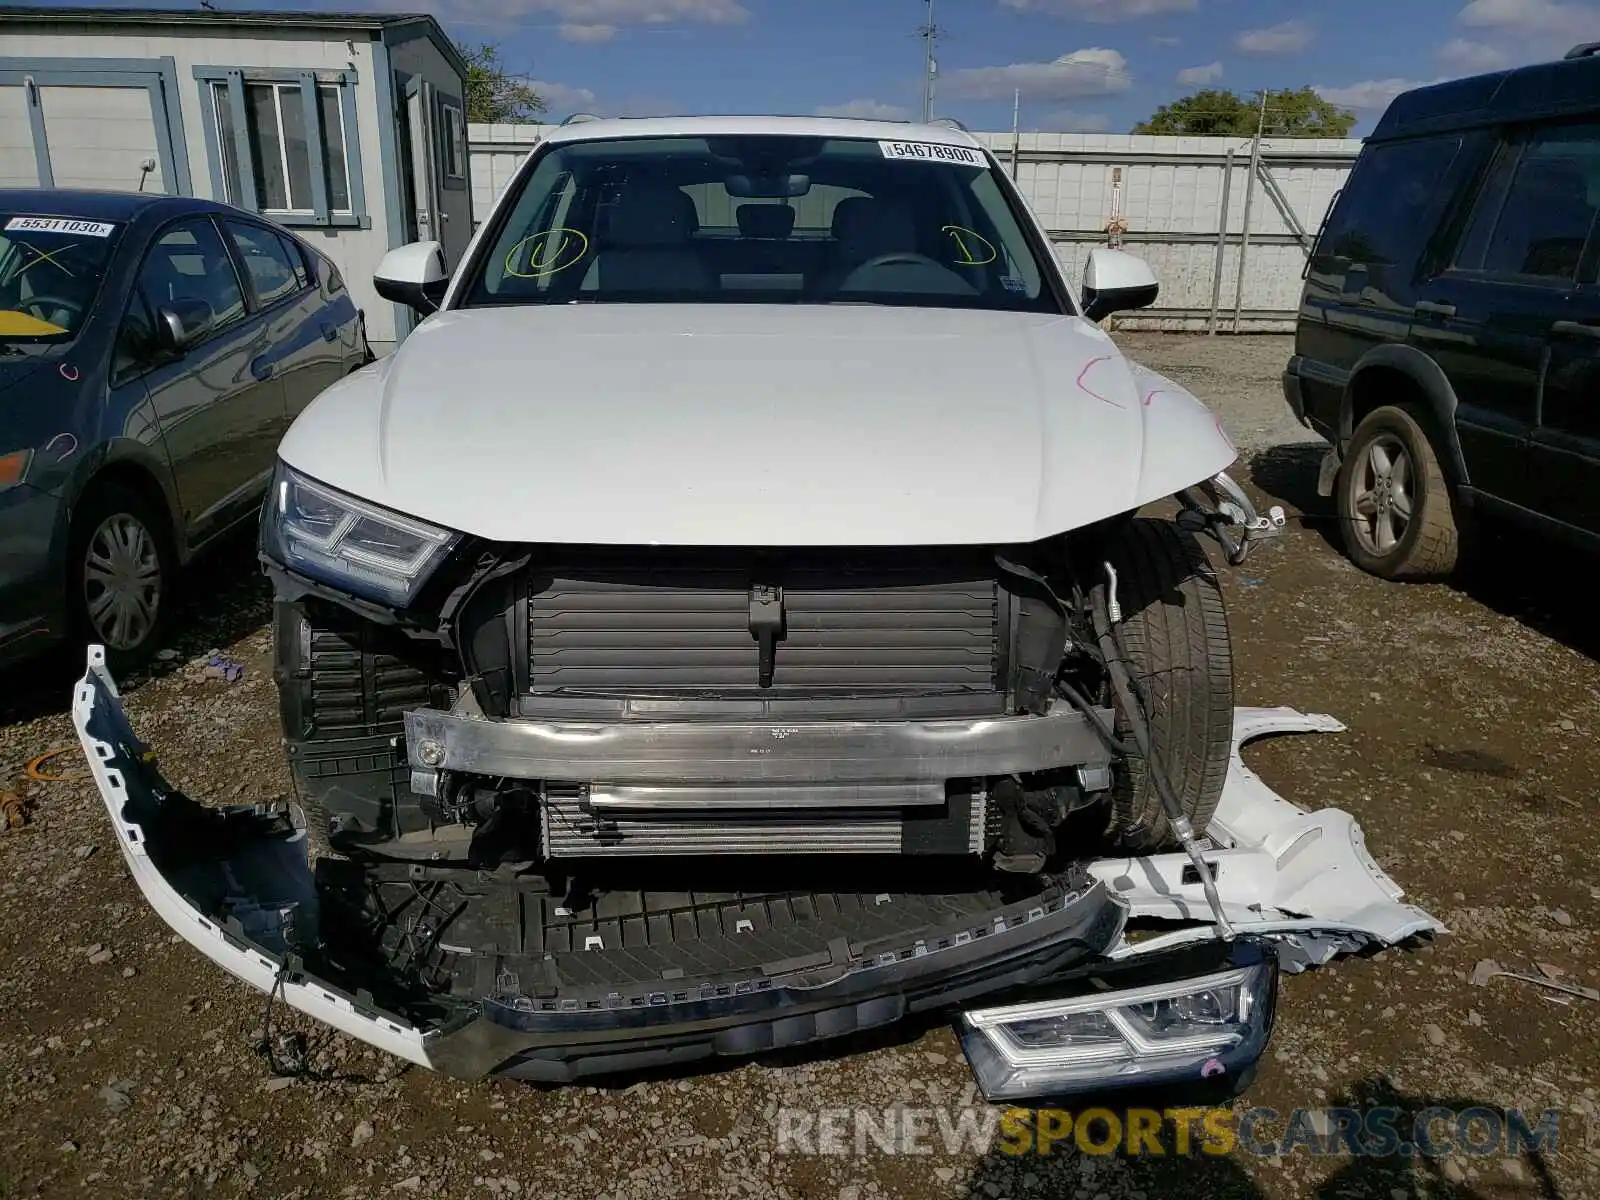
182, 323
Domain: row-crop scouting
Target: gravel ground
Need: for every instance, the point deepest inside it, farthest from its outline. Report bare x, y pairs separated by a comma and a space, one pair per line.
125, 1060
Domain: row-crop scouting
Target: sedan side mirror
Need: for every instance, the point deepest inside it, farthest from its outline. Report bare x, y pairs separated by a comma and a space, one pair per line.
413, 275
182, 323
1117, 282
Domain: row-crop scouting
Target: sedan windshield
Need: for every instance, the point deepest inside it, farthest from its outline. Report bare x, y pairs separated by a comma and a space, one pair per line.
50, 272
761, 219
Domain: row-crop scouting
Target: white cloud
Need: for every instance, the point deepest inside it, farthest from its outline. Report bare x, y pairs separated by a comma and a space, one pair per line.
562, 99
1534, 18
1471, 57
588, 33
594, 14
1090, 72
1369, 95
1069, 120
872, 110
1104, 11
1290, 37
1200, 76
1162, 39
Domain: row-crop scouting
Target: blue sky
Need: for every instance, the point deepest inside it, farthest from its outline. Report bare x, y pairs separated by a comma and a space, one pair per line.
1081, 64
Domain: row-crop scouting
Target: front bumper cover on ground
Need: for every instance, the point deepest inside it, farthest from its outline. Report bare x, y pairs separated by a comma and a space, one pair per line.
235, 883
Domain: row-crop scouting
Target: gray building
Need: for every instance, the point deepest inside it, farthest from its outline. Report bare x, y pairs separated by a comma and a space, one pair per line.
348, 127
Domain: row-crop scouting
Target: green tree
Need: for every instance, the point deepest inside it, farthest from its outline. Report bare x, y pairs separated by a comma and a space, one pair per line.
1216, 112
493, 95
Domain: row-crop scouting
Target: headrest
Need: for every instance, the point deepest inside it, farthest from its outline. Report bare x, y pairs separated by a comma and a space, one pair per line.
651, 213
866, 227
765, 220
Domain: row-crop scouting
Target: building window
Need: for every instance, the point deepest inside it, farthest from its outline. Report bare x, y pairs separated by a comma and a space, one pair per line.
455, 143
285, 143
276, 125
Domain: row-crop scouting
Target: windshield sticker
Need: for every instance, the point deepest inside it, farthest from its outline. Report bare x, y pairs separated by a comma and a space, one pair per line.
59, 225
1014, 283
956, 156
560, 248
972, 248
20, 324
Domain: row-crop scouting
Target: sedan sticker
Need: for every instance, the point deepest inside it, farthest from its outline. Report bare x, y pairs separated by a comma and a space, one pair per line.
59, 225
958, 156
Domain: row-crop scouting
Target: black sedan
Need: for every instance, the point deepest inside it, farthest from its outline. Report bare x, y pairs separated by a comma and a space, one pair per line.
153, 350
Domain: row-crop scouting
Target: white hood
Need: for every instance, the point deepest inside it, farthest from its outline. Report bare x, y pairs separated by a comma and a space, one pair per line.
792, 425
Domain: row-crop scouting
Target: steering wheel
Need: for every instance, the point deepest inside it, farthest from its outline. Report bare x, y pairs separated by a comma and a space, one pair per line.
899, 258
46, 307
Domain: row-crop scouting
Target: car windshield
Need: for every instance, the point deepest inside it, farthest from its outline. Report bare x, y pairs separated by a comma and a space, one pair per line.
761, 219
50, 272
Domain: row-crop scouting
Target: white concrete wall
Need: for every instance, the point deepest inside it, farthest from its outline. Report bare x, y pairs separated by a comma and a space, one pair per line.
356, 251
1171, 200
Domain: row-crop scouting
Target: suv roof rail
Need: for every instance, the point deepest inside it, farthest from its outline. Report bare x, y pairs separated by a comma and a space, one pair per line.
950, 123
580, 118
1584, 50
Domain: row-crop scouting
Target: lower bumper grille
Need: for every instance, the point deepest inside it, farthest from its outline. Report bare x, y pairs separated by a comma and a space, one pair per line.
582, 821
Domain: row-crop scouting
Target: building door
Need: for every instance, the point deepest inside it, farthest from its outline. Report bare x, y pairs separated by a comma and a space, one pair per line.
424, 183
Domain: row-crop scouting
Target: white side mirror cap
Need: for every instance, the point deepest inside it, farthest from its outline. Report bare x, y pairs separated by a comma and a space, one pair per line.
413, 275
1115, 281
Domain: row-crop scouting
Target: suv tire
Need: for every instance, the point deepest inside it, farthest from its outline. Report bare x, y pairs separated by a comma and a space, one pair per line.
1395, 507
1174, 632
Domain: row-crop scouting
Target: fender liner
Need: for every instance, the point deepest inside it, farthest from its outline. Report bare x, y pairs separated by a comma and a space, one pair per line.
1437, 393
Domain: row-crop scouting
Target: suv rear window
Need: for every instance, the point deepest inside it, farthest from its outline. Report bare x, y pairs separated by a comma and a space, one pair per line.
1533, 216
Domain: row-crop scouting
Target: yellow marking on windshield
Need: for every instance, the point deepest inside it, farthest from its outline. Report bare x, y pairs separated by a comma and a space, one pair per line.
20, 324
42, 256
559, 254
966, 241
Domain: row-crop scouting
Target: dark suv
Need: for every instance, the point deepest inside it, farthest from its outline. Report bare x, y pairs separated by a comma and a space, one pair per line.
1448, 343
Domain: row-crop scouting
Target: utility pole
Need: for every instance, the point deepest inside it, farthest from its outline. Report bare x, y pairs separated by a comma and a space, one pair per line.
1016, 130
1249, 198
929, 32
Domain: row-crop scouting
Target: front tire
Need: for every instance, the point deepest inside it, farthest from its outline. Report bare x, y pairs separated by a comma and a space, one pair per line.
1174, 632
122, 573
1395, 506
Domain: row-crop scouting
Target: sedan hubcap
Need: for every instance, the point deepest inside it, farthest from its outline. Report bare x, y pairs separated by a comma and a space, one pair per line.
1381, 495
122, 581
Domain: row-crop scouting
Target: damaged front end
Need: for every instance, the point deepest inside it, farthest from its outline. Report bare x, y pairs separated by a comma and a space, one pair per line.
471, 975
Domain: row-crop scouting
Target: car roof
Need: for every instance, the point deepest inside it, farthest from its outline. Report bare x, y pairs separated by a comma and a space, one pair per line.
1545, 90
828, 127
97, 205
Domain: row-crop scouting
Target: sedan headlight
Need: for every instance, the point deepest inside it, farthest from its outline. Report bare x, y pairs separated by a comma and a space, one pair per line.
350, 543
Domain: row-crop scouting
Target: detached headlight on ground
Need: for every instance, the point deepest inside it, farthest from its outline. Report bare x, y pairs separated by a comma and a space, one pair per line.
1189, 1030
354, 545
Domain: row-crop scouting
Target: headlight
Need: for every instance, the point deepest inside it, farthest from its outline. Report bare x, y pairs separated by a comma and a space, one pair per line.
358, 546
1191, 1029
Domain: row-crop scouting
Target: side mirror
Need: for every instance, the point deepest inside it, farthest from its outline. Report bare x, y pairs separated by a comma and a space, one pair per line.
413, 275
1117, 282
182, 323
